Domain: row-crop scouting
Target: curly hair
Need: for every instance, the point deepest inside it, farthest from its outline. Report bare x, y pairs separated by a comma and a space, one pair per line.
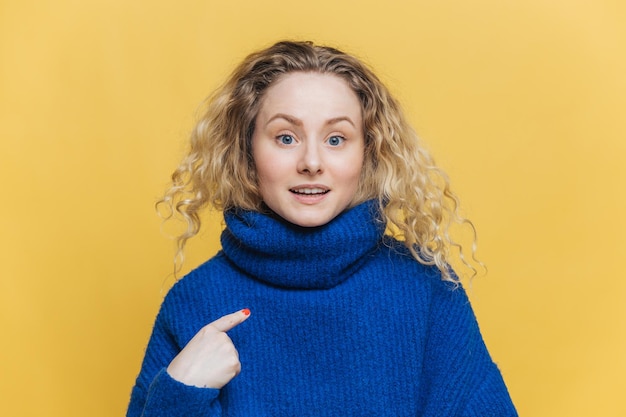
218, 171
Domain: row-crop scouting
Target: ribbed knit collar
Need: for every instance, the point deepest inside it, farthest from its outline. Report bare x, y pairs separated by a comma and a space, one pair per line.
282, 254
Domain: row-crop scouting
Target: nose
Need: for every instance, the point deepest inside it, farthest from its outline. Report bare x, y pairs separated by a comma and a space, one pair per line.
310, 162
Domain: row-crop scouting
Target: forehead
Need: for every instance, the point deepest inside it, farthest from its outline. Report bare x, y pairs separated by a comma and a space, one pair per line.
308, 93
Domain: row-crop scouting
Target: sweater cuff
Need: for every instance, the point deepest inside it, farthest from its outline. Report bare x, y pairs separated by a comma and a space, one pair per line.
169, 397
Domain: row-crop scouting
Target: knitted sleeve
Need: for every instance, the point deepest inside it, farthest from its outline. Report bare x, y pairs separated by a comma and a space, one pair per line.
459, 375
155, 393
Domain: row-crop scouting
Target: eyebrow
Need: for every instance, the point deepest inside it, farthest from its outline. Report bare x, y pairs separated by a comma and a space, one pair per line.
295, 121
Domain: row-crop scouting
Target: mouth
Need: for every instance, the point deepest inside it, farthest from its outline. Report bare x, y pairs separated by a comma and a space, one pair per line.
315, 191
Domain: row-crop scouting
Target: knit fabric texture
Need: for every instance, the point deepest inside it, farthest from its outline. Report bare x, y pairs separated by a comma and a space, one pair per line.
344, 323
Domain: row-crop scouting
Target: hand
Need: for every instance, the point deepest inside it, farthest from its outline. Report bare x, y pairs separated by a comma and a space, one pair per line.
210, 360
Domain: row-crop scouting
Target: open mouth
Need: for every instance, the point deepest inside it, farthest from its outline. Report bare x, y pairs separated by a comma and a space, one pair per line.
309, 191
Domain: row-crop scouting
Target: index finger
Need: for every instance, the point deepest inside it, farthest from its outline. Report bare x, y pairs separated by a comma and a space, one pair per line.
227, 322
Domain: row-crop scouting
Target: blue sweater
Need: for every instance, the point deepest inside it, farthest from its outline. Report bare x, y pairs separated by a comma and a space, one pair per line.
344, 323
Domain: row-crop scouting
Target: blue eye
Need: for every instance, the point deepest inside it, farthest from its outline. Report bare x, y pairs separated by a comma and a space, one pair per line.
286, 139
336, 140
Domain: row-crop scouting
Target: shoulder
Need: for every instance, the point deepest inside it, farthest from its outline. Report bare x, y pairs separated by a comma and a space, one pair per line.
198, 286
395, 252
429, 277
196, 299
197, 278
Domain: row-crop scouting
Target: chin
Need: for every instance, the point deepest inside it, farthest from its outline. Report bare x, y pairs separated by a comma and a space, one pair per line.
309, 221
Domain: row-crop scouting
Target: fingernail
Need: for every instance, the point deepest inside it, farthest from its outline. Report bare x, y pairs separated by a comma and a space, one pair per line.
246, 311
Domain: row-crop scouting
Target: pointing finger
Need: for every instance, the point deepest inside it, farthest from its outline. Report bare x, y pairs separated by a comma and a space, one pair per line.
227, 322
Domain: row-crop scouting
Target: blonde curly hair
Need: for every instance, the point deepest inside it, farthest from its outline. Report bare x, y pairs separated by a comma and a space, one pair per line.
218, 171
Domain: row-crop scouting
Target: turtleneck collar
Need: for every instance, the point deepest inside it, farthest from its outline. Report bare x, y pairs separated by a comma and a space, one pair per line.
282, 254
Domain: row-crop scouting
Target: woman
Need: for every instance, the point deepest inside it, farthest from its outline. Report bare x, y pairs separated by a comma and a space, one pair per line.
332, 294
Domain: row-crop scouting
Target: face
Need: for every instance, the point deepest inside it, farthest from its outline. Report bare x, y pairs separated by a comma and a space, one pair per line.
308, 147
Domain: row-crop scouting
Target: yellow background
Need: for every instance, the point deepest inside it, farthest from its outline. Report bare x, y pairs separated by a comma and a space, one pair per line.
521, 101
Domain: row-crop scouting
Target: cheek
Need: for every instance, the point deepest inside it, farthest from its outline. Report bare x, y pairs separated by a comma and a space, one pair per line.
353, 168
264, 178
261, 159
261, 169
270, 170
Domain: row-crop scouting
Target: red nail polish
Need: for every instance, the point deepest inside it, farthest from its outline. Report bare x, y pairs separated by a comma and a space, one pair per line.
246, 311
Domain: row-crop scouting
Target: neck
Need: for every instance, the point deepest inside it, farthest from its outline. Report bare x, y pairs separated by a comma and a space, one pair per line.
273, 250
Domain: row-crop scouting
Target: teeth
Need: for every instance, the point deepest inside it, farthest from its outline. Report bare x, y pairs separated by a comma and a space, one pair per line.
309, 191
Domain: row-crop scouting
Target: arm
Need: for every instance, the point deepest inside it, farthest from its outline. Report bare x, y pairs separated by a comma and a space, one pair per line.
175, 382
167, 397
459, 376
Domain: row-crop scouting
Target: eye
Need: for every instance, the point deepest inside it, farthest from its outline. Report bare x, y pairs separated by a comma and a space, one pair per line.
336, 140
285, 139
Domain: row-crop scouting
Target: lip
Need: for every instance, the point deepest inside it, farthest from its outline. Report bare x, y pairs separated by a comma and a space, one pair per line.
309, 193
